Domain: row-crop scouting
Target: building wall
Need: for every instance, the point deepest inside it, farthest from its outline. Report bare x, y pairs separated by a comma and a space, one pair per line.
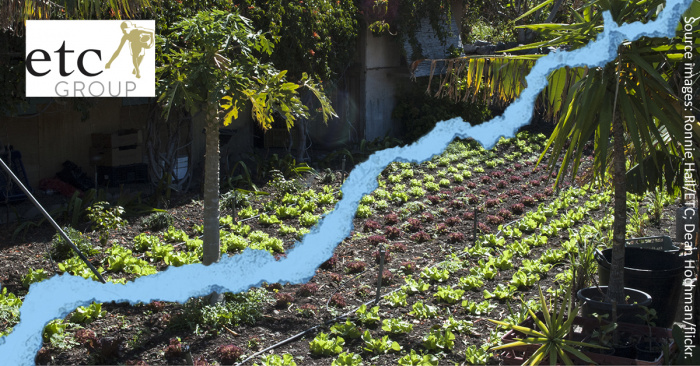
55, 133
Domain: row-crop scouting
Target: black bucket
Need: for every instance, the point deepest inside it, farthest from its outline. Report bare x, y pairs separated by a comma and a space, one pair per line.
592, 298
660, 274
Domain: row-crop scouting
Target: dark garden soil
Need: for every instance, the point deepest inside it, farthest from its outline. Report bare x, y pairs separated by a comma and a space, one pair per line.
156, 334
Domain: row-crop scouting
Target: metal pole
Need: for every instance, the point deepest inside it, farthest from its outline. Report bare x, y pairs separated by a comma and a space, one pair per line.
51, 220
382, 252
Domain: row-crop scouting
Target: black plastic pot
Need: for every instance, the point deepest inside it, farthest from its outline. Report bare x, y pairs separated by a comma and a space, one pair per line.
592, 299
660, 274
647, 351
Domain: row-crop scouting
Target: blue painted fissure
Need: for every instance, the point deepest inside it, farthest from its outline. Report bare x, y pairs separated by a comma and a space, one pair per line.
58, 296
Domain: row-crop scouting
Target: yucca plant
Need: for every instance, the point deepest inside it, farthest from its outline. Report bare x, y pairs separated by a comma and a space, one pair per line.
551, 334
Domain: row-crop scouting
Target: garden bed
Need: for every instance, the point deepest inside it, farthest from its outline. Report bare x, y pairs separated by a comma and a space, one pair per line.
442, 279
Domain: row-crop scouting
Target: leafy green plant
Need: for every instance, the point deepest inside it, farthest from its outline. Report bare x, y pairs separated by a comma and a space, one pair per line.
379, 345
475, 355
237, 309
308, 219
277, 360
347, 359
34, 276
396, 299
396, 326
143, 242
448, 294
324, 346
439, 340
61, 250
157, 221
86, 315
414, 359
423, 311
346, 330
501, 292
415, 286
9, 310
121, 259
475, 308
457, 326
435, 274
55, 333
105, 217
264, 219
367, 317
550, 335
173, 235
523, 280
470, 282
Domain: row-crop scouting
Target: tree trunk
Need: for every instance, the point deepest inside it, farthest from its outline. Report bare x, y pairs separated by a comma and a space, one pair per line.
211, 188
617, 264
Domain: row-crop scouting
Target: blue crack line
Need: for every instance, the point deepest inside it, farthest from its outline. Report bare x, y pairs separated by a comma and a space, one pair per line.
59, 295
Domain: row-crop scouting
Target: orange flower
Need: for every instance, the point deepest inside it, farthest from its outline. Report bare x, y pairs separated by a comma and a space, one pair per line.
312, 52
316, 35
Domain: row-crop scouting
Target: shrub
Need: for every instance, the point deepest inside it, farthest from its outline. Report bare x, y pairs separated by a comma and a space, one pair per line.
515, 179
392, 232
517, 166
307, 310
376, 239
484, 193
433, 199
363, 291
61, 250
336, 277
472, 199
456, 237
540, 196
229, 354
514, 192
526, 174
391, 218
549, 191
241, 308
471, 185
387, 277
157, 221
408, 267
441, 228
501, 184
338, 301
307, 289
485, 179
497, 174
420, 237
468, 215
459, 189
283, 299
492, 202
535, 183
355, 267
428, 217
370, 225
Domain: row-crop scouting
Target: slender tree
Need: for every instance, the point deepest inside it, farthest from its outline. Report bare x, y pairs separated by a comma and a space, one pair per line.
209, 66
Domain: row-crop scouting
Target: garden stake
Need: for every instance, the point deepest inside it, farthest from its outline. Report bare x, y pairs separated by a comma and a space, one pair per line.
343, 167
476, 224
382, 252
51, 220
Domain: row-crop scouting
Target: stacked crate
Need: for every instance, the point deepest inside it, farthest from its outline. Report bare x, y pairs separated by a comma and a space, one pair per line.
118, 157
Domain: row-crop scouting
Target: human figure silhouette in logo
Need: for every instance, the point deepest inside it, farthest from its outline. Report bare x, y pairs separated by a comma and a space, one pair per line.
140, 40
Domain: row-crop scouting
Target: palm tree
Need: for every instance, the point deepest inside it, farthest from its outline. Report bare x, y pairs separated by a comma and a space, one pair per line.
629, 100
209, 65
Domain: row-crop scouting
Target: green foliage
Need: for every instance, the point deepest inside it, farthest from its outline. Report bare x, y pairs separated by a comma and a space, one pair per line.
236, 310
501, 292
34, 276
415, 286
9, 311
470, 282
363, 212
77, 267
324, 346
105, 217
55, 333
347, 359
264, 219
367, 317
173, 235
379, 345
308, 219
423, 311
86, 315
448, 295
121, 259
61, 250
143, 242
247, 212
439, 340
345, 330
157, 221
414, 359
435, 274
457, 326
277, 360
475, 355
396, 299
419, 112
475, 308
396, 326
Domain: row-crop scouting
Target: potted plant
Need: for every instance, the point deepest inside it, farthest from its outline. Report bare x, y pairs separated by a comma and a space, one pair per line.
549, 335
649, 349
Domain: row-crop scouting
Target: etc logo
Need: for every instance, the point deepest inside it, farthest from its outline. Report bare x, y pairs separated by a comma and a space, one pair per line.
68, 58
